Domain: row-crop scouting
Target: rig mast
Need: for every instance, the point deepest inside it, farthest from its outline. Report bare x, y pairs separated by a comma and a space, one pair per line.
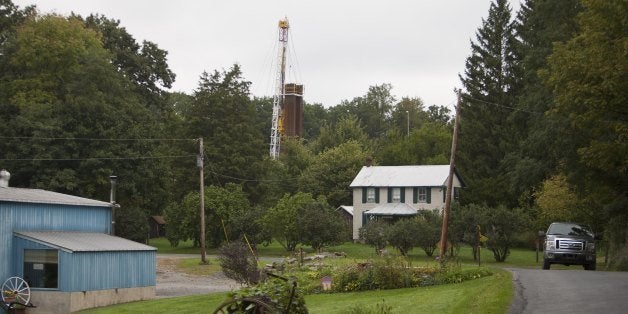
277, 125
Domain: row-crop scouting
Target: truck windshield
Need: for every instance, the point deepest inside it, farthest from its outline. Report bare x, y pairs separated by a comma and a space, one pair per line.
569, 229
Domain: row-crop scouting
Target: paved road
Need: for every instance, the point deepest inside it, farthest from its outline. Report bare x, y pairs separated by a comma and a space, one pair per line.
569, 291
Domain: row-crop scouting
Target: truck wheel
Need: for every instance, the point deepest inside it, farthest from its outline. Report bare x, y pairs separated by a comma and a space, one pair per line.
589, 266
546, 264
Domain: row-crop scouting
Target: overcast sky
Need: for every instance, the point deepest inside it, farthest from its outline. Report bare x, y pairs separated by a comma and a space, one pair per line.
338, 48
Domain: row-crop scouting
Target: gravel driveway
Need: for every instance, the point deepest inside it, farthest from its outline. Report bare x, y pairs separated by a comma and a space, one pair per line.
171, 283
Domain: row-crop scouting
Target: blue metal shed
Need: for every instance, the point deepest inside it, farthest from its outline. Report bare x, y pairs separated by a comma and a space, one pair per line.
60, 244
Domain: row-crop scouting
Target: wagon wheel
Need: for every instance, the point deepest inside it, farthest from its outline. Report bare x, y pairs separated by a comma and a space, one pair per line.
16, 290
245, 305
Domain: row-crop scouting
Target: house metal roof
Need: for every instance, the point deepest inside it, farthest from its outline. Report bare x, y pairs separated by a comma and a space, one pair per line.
401, 176
21, 195
83, 241
397, 209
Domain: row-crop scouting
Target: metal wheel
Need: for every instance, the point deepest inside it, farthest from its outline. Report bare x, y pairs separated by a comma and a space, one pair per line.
246, 305
15, 289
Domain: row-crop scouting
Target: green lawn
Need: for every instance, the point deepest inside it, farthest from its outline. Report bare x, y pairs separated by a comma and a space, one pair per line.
491, 294
517, 258
486, 295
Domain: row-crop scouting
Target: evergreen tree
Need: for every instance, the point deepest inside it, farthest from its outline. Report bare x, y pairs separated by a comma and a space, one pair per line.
539, 24
490, 86
223, 114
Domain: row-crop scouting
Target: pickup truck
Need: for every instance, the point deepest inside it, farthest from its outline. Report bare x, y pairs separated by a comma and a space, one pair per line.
569, 244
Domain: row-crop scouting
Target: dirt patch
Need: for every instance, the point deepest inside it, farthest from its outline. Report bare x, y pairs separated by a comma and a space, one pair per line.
173, 283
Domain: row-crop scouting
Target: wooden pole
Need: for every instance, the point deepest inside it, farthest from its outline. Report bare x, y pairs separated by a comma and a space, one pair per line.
450, 179
199, 162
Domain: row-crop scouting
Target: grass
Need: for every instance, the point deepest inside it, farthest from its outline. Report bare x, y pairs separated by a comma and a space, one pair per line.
485, 295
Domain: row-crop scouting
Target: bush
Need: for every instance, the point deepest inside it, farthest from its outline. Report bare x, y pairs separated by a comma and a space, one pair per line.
374, 233
393, 274
460, 275
403, 234
238, 263
379, 308
274, 292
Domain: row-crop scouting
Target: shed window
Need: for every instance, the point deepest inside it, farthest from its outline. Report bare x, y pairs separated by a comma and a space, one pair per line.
41, 268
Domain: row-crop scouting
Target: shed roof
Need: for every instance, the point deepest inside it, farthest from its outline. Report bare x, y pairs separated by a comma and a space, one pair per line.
83, 241
21, 195
396, 209
159, 219
348, 209
431, 175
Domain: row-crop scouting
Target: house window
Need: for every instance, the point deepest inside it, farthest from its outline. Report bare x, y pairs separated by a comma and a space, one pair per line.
370, 195
422, 194
41, 268
396, 195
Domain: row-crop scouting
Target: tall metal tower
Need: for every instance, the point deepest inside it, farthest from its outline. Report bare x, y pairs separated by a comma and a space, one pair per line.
277, 127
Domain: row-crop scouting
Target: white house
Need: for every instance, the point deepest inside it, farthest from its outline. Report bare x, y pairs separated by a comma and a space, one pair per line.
392, 191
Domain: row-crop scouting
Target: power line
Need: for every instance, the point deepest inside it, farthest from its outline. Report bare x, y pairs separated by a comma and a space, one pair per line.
94, 139
250, 180
96, 158
467, 97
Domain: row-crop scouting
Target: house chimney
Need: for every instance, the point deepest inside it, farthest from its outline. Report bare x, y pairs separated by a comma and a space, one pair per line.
4, 178
369, 161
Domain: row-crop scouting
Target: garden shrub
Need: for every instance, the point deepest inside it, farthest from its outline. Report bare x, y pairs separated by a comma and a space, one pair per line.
379, 308
276, 293
238, 263
460, 275
393, 274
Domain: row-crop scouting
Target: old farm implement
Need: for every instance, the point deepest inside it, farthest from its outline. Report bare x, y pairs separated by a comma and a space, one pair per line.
15, 294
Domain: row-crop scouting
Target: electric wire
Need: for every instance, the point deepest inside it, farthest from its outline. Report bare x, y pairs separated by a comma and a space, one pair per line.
97, 158
95, 139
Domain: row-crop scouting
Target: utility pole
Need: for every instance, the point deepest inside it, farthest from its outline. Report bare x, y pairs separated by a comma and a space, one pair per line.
112, 200
450, 180
408, 119
199, 164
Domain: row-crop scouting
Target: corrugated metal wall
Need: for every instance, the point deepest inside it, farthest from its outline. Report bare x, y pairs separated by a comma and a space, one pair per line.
29, 217
85, 271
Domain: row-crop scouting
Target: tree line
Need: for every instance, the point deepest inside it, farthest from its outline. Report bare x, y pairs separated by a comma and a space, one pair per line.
543, 124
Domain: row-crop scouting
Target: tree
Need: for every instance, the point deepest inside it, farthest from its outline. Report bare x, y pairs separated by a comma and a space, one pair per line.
429, 144
500, 224
332, 171
543, 140
374, 233
319, 225
281, 221
463, 224
589, 80
228, 217
145, 65
403, 234
490, 85
224, 116
372, 109
314, 117
558, 202
428, 228
347, 129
